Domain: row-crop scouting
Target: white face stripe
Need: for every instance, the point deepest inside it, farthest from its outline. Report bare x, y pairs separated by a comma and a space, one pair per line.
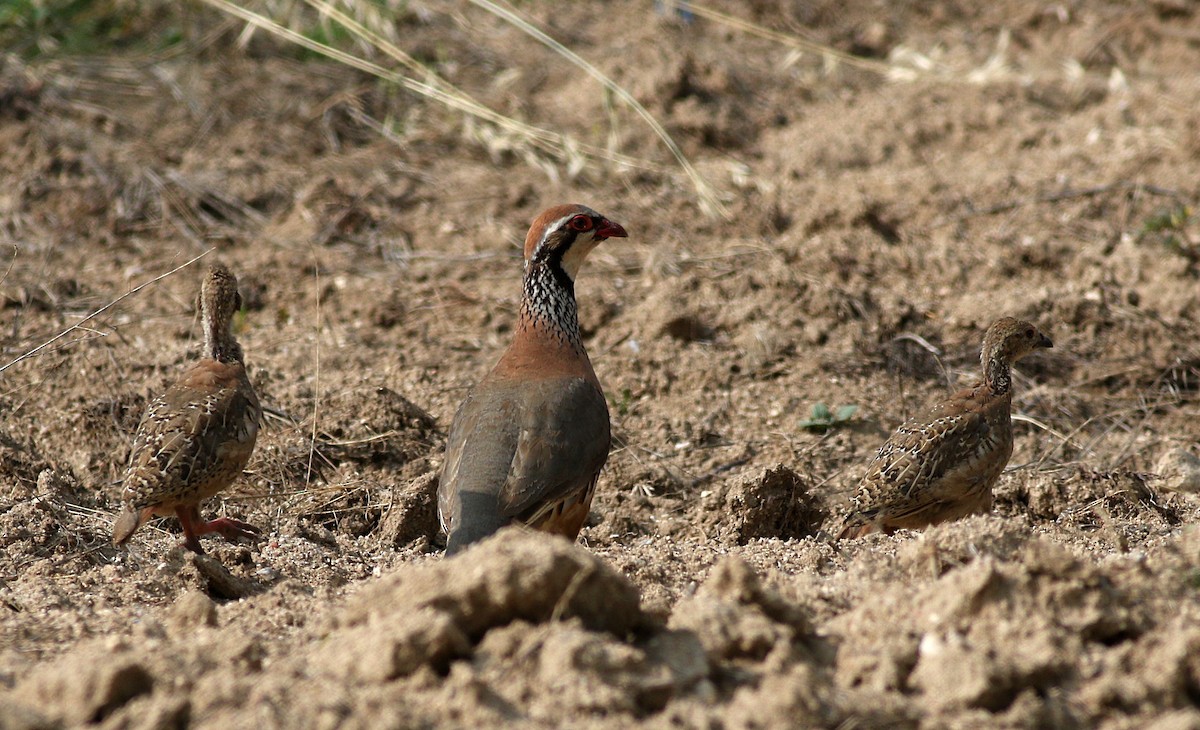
551, 229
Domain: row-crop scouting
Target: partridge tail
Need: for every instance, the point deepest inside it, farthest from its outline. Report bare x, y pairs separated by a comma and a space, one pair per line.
478, 518
469, 534
127, 523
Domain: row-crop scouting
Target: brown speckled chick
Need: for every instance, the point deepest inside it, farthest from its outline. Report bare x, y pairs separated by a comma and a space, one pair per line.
942, 465
528, 443
195, 439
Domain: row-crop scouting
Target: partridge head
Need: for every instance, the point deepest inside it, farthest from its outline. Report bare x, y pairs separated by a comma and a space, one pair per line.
943, 464
528, 443
1005, 342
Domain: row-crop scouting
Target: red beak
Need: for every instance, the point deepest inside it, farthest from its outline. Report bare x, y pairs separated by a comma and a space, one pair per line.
608, 229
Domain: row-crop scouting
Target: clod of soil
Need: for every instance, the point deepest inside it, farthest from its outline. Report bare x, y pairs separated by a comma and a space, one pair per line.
769, 503
516, 575
735, 617
87, 690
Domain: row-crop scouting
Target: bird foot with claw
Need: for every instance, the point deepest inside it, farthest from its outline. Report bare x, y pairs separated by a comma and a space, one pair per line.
231, 529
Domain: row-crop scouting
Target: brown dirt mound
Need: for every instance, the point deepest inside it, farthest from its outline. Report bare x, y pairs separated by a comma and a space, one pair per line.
774, 502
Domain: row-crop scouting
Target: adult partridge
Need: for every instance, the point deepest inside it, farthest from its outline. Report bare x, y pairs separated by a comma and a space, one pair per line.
195, 438
942, 465
528, 443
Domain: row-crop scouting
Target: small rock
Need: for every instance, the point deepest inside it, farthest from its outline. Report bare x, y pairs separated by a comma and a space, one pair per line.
219, 581
683, 654
193, 610
1178, 471
872, 40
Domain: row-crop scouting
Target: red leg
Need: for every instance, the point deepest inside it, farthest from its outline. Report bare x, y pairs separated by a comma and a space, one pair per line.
194, 526
231, 529
189, 518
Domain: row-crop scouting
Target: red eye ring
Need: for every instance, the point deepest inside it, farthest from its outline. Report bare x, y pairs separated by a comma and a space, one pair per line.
581, 223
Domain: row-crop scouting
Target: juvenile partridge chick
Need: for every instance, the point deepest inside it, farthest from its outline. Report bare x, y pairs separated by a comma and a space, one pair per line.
195, 439
942, 465
528, 443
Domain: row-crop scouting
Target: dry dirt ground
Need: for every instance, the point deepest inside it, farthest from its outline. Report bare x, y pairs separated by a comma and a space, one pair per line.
1018, 158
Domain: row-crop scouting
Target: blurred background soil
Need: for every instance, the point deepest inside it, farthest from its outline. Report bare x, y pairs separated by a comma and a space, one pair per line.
895, 176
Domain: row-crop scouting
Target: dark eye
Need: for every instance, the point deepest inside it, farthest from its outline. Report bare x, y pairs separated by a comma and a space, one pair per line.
237, 300
1029, 333
581, 223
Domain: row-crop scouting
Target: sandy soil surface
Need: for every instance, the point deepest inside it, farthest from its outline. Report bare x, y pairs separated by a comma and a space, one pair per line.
1029, 159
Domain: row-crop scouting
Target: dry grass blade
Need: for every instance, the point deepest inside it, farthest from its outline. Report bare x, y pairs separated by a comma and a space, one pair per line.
312, 443
102, 310
708, 197
928, 347
432, 87
1063, 438
903, 64
11, 264
792, 41
449, 96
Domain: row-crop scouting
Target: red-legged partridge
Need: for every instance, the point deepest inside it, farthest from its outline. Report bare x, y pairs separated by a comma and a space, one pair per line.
942, 465
195, 439
528, 443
